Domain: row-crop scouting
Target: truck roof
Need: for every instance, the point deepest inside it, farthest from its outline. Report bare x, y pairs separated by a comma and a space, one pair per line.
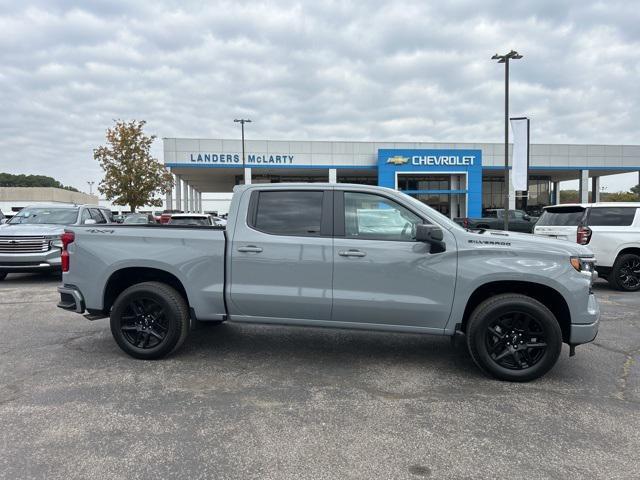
596, 205
318, 185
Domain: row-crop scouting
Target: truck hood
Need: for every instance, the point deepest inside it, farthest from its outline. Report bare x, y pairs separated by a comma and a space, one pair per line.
18, 230
534, 242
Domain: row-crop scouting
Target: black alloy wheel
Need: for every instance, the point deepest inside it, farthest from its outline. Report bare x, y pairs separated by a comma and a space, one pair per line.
628, 275
144, 323
516, 340
150, 320
513, 337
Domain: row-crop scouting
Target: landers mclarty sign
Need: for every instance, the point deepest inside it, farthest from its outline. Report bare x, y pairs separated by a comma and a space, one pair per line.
236, 158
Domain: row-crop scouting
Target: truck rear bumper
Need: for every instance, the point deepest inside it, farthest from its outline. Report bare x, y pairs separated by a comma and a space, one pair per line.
71, 299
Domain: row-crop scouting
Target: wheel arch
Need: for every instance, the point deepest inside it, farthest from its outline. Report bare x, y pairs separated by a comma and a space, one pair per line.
545, 294
623, 251
124, 278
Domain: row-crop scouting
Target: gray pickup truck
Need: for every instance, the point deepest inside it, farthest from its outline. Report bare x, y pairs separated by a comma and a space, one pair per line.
336, 255
30, 241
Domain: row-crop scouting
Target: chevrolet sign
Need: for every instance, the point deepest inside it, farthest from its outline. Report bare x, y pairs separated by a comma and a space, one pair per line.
448, 160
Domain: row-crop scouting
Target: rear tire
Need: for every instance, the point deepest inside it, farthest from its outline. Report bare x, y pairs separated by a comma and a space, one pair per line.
514, 337
625, 274
149, 320
3, 275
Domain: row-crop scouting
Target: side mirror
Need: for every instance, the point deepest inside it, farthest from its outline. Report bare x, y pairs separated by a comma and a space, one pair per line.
432, 235
89, 221
3, 220
429, 233
527, 218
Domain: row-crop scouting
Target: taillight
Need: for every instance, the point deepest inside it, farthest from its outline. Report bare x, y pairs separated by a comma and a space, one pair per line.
584, 235
66, 238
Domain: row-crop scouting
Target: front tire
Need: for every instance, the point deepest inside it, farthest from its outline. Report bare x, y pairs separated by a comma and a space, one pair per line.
3, 275
149, 320
514, 337
625, 274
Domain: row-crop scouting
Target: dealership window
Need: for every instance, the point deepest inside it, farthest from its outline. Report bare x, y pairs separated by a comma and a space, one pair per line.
424, 182
493, 193
357, 179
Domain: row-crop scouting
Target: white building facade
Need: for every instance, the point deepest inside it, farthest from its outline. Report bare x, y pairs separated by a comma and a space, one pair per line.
458, 179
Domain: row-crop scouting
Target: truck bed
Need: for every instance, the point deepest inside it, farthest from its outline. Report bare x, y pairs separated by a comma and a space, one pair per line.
193, 254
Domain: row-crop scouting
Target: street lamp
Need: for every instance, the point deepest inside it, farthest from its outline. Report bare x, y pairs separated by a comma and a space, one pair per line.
242, 121
91, 187
512, 55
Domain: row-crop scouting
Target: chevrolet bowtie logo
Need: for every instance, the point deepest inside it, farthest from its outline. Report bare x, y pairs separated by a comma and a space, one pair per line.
398, 160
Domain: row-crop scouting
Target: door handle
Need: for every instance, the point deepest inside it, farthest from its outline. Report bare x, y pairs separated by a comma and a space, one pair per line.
351, 253
250, 248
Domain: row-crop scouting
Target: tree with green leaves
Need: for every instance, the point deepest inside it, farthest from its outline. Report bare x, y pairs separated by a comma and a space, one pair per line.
132, 176
636, 190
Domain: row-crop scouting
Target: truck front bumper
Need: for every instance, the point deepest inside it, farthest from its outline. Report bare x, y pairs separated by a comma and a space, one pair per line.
30, 262
586, 332
71, 299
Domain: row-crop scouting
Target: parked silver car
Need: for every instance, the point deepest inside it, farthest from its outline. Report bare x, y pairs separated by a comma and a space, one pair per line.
30, 241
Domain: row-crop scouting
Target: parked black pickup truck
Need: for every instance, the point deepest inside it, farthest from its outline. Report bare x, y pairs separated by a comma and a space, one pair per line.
493, 219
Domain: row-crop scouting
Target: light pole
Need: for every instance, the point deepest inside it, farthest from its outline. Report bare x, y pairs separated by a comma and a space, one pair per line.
91, 187
512, 55
242, 121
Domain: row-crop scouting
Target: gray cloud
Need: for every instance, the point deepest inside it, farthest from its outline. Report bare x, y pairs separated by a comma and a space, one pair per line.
309, 70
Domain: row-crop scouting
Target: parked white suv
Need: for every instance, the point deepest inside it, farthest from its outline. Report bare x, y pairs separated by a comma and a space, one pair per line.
610, 230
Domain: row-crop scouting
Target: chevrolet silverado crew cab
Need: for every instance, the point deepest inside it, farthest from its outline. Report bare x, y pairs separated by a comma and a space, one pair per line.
610, 230
30, 241
336, 255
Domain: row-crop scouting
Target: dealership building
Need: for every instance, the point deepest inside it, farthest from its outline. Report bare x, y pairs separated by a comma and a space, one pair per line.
458, 179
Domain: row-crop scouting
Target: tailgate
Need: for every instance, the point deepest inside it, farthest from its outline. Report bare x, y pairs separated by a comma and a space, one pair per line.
561, 222
561, 233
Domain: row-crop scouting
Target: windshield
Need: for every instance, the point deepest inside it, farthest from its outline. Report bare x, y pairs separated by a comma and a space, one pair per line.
46, 216
189, 221
562, 216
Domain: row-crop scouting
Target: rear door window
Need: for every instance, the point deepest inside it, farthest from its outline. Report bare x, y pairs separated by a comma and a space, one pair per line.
611, 216
296, 213
562, 216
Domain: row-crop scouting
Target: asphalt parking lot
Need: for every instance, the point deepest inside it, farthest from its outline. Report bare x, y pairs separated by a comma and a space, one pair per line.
262, 402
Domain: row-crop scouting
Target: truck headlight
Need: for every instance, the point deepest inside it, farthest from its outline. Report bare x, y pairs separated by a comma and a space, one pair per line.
55, 241
586, 266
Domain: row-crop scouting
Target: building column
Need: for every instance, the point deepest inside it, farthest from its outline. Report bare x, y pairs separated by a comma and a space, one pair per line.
583, 191
333, 175
512, 192
178, 193
168, 201
454, 200
556, 193
595, 189
247, 176
192, 194
200, 202
186, 197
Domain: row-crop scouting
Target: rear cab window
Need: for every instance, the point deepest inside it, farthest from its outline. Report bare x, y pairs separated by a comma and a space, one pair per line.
572, 216
611, 216
291, 212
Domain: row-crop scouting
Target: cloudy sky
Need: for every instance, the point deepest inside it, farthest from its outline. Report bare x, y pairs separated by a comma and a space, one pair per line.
361, 70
